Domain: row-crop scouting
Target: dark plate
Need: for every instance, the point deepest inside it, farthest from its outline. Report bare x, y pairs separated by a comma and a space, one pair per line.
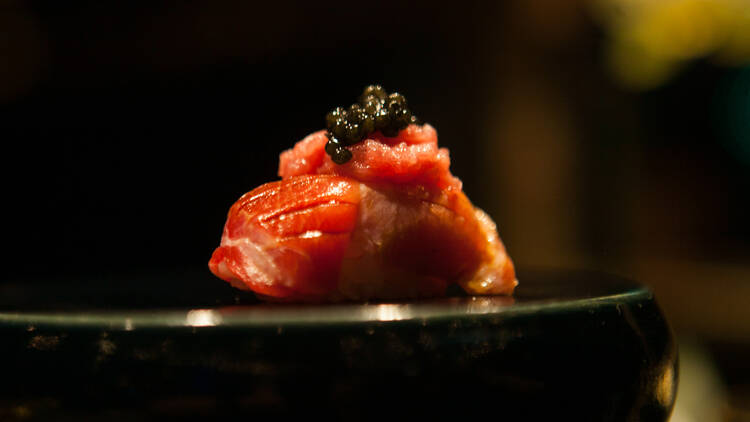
568, 344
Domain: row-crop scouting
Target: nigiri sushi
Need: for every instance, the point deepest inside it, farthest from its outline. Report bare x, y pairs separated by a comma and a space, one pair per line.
367, 209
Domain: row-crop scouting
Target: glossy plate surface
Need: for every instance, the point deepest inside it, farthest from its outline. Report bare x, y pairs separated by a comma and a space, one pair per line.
585, 344
175, 301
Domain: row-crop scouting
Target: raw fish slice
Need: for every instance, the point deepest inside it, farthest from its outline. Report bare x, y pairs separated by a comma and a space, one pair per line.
329, 238
286, 239
413, 242
412, 157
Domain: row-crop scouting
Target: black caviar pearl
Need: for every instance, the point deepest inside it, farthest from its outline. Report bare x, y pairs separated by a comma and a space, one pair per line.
367, 125
372, 105
402, 118
375, 110
338, 153
353, 110
339, 129
356, 114
332, 144
397, 98
364, 120
341, 155
353, 134
382, 119
374, 90
333, 117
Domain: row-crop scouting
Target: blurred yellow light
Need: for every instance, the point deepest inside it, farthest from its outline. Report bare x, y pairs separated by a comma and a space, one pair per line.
651, 39
680, 29
736, 49
636, 68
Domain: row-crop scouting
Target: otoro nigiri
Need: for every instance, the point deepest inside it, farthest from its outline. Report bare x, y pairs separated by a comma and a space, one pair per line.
362, 216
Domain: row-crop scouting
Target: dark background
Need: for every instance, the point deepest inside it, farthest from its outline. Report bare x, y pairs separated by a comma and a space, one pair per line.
129, 129
139, 126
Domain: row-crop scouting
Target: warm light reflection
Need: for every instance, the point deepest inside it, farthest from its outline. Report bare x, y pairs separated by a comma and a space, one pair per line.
487, 304
311, 234
202, 318
388, 312
665, 388
128, 324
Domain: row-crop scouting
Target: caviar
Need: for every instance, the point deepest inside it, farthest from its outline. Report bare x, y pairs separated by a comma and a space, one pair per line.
375, 110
